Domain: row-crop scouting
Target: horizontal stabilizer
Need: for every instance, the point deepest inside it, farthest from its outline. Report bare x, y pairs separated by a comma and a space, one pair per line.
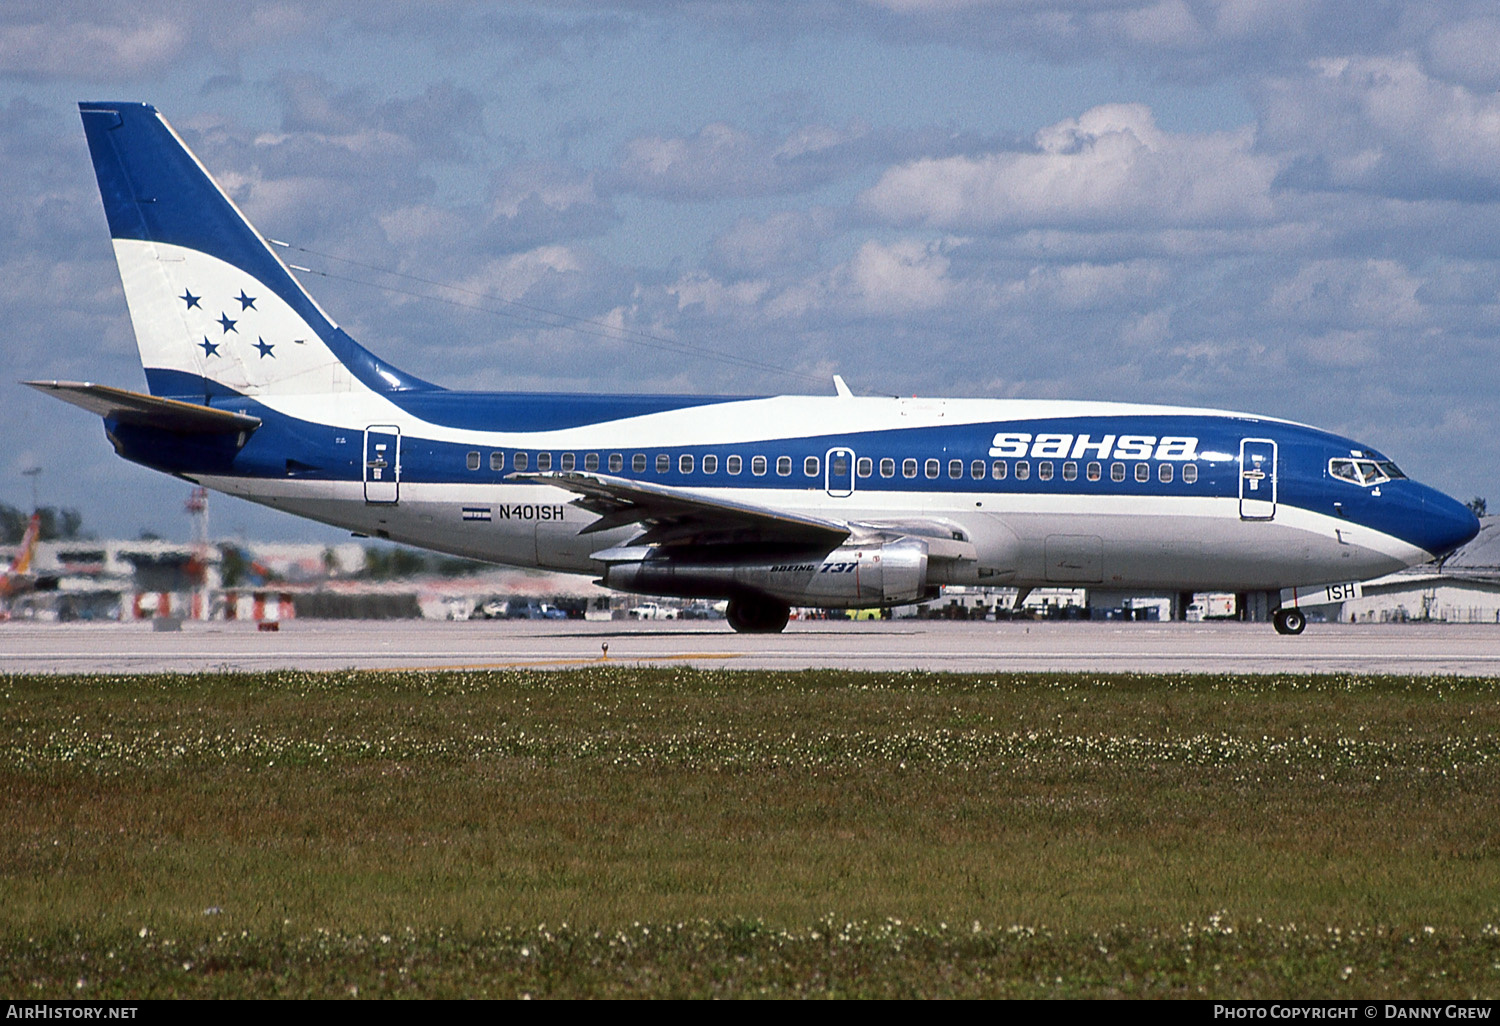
143, 410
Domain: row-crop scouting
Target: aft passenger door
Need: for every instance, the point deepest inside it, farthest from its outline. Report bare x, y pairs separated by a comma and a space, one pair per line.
839, 473
382, 470
1257, 479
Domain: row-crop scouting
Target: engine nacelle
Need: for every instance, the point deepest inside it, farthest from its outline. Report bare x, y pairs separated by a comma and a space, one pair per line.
849, 577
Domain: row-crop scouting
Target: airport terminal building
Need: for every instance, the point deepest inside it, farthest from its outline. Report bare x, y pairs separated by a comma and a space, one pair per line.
1464, 588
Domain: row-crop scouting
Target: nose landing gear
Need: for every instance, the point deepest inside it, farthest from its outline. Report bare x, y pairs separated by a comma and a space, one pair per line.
1289, 621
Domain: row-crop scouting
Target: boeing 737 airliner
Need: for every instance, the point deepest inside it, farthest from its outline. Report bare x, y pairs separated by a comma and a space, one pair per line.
834, 502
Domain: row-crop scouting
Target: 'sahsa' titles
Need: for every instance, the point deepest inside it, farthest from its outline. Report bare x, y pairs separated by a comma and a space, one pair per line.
1017, 444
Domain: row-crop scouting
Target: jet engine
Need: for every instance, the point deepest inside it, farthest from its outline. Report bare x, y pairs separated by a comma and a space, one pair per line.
885, 573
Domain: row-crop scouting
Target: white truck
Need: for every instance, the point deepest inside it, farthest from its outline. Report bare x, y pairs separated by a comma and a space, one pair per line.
1211, 606
652, 611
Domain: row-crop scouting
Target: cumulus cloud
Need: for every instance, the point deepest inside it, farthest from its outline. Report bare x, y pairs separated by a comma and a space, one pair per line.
1110, 165
1467, 52
47, 48
772, 244
1084, 286
1383, 124
130, 39
437, 122
535, 202
1175, 39
900, 277
722, 160
1370, 292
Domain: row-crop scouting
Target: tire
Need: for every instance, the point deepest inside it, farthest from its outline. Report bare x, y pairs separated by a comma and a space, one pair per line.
1289, 621
758, 615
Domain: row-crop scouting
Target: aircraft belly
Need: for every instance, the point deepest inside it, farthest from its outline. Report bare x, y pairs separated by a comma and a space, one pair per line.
1187, 552
1206, 547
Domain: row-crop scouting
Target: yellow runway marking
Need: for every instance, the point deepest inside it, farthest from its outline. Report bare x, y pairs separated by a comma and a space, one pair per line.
580, 661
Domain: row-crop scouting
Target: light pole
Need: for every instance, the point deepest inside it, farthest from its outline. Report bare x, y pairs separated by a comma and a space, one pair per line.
33, 473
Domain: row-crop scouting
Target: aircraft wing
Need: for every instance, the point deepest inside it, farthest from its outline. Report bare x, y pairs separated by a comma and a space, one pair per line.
137, 408
679, 514
671, 514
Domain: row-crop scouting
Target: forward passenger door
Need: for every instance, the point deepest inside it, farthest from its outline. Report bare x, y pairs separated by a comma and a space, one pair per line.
1257, 479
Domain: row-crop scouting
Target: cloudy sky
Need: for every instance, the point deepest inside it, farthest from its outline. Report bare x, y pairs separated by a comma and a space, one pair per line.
1284, 206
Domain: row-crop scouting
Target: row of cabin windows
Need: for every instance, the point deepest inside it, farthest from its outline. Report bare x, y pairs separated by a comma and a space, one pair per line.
997, 470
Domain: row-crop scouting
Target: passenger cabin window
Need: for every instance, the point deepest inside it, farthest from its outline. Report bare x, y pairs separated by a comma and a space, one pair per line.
810, 466
1044, 470
591, 461
758, 466
710, 464
1023, 470
567, 461
733, 464
838, 465
1190, 473
1143, 471
544, 461
908, 468
1094, 472
638, 463
1117, 472
684, 464
784, 466
522, 461
998, 470
976, 470
473, 461
663, 463
1164, 473
497, 461
887, 468
865, 466
955, 469
933, 468
616, 463
1070, 471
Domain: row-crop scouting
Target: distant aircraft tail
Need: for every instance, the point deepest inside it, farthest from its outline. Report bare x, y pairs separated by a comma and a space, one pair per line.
17, 578
215, 311
21, 565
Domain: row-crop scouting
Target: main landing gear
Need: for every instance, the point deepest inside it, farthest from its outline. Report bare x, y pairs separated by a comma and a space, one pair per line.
1289, 621
755, 615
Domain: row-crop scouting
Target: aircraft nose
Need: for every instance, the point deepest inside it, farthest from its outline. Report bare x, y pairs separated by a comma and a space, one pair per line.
1450, 523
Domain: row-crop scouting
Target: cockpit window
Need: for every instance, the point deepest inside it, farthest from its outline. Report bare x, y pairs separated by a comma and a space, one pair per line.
1364, 472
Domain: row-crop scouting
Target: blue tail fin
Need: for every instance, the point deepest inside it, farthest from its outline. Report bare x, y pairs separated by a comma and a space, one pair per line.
215, 311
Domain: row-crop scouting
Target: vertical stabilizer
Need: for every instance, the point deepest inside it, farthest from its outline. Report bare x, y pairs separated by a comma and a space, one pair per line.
215, 311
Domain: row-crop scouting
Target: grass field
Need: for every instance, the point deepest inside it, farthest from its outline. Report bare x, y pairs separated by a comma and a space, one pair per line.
617, 831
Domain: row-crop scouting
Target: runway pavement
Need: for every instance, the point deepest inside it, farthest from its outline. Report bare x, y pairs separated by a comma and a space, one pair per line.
1469, 650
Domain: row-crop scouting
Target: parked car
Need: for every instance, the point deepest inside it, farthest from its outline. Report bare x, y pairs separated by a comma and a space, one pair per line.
702, 611
493, 609
534, 611
652, 611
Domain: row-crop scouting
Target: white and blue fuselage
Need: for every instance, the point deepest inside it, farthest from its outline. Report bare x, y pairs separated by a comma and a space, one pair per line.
775, 501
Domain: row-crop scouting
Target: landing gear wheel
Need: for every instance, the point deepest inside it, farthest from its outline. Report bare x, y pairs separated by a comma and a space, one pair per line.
758, 615
1289, 621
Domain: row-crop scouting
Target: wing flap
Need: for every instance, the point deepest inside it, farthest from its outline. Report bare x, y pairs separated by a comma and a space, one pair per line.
675, 514
143, 410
